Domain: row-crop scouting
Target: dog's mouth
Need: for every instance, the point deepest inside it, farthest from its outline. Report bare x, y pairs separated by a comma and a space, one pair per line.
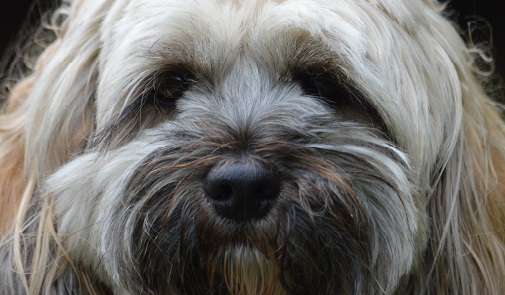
282, 253
199, 252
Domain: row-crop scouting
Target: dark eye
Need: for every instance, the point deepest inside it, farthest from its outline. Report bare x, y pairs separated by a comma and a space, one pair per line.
171, 88
326, 86
340, 95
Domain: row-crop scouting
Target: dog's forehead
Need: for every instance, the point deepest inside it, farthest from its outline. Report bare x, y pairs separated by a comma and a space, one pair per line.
140, 36
216, 32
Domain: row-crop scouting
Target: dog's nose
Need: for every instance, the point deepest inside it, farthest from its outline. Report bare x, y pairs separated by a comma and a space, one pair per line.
242, 191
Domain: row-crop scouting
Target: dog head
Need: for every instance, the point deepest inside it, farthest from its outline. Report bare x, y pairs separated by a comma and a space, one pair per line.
255, 147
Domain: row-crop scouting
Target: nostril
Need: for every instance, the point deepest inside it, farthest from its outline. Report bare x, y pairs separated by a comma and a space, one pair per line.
266, 189
241, 190
220, 193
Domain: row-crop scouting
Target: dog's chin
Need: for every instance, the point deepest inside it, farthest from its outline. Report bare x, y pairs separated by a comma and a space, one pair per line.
244, 269
253, 258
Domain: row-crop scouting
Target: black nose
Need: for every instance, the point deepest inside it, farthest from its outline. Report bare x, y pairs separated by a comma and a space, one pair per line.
241, 191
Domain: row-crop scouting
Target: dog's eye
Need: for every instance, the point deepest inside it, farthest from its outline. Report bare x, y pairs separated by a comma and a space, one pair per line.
340, 95
170, 89
325, 86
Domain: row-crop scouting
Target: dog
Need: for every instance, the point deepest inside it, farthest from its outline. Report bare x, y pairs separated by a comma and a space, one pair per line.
252, 147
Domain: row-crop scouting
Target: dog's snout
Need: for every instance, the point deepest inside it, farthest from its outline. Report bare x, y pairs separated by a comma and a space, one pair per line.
242, 191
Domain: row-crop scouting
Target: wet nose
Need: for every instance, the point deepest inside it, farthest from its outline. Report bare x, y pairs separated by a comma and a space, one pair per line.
242, 191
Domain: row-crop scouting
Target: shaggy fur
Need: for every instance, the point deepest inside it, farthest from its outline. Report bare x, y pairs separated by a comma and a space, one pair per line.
385, 152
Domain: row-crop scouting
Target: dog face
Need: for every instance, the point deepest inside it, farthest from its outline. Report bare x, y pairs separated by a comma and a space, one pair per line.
192, 107
255, 147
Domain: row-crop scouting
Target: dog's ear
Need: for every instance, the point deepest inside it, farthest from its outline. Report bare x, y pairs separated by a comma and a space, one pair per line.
466, 202
467, 208
49, 115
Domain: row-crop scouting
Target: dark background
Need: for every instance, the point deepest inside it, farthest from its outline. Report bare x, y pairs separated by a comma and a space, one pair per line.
486, 14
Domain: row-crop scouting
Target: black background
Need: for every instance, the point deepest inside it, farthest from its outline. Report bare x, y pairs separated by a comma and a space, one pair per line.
491, 12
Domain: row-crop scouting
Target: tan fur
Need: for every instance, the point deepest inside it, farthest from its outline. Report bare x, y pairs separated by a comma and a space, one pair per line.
11, 187
16, 124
